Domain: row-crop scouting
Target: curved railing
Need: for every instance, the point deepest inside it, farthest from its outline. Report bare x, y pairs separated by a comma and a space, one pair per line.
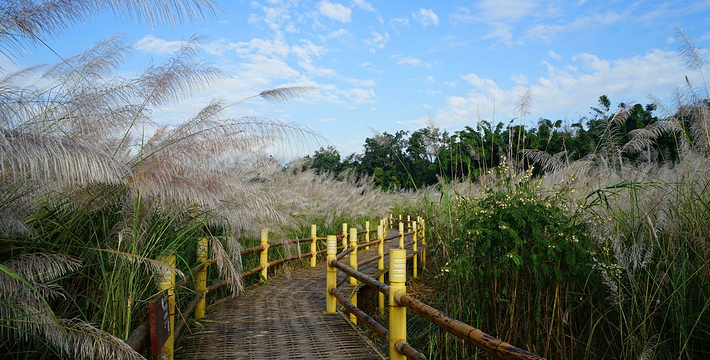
141, 337
398, 299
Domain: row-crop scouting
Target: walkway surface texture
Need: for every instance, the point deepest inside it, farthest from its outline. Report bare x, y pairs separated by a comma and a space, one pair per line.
282, 319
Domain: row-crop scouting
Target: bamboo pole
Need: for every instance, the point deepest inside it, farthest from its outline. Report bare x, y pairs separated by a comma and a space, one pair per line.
345, 236
353, 264
367, 234
414, 249
264, 259
398, 314
381, 266
166, 281
201, 278
423, 230
331, 275
401, 235
314, 247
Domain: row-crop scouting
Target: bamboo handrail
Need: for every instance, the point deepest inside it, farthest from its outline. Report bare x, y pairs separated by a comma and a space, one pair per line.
381, 287
141, 333
405, 349
366, 319
483, 341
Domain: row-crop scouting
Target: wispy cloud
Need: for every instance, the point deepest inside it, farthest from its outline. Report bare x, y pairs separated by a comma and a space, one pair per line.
364, 5
410, 61
377, 41
426, 17
335, 11
154, 45
566, 91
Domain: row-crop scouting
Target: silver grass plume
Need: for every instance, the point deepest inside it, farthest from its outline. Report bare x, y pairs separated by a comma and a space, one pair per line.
155, 266
285, 94
548, 162
23, 294
29, 23
227, 267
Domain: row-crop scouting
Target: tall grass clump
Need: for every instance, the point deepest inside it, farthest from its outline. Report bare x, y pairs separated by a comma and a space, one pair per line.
605, 257
93, 193
518, 260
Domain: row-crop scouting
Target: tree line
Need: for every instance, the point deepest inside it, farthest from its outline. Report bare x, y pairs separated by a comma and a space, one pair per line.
627, 134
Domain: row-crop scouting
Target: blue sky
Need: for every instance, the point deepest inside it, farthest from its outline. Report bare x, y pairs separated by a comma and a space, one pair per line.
401, 65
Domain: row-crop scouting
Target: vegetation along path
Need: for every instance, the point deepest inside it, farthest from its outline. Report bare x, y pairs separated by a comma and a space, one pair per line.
282, 319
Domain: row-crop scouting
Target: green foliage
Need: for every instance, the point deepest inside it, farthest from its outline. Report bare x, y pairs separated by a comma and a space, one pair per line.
515, 260
516, 228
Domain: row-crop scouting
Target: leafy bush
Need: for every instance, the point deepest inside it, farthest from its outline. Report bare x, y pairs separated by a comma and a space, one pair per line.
518, 264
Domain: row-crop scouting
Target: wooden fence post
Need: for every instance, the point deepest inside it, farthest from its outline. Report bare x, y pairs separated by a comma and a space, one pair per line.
381, 265
201, 278
414, 249
331, 275
367, 234
353, 264
398, 314
166, 281
314, 246
264, 260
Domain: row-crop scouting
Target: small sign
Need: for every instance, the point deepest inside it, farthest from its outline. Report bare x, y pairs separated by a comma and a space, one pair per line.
159, 317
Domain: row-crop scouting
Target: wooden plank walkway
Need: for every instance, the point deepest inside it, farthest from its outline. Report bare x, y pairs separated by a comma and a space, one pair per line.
282, 319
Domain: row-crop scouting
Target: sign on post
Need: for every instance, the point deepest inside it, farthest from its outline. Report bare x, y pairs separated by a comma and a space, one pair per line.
159, 318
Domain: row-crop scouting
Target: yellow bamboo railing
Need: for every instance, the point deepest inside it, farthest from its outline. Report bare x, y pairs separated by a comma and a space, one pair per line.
399, 300
140, 335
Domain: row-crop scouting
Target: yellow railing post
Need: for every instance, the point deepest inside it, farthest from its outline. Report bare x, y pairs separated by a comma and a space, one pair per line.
414, 249
398, 314
166, 281
381, 265
353, 264
264, 260
409, 223
367, 234
401, 235
331, 278
314, 247
201, 278
345, 236
423, 227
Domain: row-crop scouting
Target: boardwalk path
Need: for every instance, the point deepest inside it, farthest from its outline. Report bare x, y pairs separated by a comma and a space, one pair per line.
283, 319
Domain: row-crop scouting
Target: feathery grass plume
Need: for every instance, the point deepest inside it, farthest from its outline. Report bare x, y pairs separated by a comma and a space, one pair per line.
642, 139
694, 57
548, 162
24, 291
227, 267
55, 160
285, 94
155, 266
28, 23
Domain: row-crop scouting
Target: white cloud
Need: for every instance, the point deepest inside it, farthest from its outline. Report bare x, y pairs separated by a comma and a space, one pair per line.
364, 5
554, 55
336, 12
430, 80
519, 79
546, 32
410, 61
152, 44
399, 22
378, 41
336, 34
368, 66
426, 17
566, 91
